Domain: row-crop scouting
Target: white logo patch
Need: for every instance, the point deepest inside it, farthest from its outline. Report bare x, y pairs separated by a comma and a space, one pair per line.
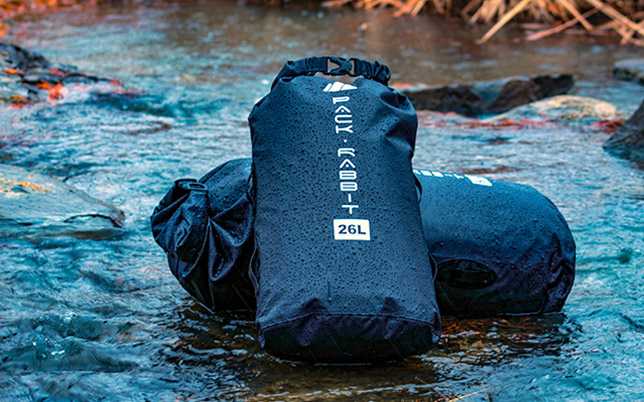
481, 181
338, 86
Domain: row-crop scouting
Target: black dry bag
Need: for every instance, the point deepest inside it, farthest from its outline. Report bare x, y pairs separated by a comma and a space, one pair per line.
341, 268
501, 248
205, 228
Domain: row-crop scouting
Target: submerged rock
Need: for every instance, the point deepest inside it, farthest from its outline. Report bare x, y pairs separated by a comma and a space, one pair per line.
564, 109
34, 201
629, 70
488, 97
628, 141
133, 102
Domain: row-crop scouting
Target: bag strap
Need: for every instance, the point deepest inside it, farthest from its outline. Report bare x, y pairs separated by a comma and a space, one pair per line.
333, 65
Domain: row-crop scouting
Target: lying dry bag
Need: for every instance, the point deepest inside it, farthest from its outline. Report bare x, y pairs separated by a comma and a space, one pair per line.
501, 248
341, 267
205, 228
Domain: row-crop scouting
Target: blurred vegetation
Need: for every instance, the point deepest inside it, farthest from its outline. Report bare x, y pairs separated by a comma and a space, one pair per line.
541, 18
544, 17
12, 8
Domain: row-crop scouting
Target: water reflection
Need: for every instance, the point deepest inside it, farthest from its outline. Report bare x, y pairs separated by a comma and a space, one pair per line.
228, 343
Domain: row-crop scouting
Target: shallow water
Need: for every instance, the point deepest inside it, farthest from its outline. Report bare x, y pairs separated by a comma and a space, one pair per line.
90, 318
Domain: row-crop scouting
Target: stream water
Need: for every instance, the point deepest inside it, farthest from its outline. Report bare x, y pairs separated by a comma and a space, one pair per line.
93, 319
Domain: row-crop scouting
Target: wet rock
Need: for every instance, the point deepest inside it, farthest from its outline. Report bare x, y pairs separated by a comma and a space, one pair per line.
27, 77
563, 109
628, 141
488, 97
16, 57
629, 70
31, 201
32, 68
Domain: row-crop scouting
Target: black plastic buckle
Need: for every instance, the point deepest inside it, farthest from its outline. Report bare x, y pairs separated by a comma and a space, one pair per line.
344, 66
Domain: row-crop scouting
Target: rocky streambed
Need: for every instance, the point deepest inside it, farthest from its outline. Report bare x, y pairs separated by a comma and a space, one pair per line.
163, 91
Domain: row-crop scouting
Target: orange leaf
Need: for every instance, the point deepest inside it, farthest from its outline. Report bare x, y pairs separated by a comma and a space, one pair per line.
12, 71
57, 92
57, 72
19, 101
44, 85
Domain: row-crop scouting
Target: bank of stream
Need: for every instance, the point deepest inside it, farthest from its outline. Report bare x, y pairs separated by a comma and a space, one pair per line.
98, 316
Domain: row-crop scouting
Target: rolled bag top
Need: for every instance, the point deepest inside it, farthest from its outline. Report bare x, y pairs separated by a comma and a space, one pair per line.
501, 248
205, 228
334, 66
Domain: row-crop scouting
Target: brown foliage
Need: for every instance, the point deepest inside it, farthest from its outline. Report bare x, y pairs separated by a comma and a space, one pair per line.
626, 17
12, 8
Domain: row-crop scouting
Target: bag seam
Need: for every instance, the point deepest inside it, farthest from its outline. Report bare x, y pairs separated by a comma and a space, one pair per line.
264, 328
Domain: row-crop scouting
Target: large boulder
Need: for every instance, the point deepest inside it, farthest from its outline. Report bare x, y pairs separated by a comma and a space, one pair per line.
565, 109
628, 141
33, 202
488, 97
629, 70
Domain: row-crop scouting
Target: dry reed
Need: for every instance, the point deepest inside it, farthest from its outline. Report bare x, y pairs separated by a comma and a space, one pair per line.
626, 17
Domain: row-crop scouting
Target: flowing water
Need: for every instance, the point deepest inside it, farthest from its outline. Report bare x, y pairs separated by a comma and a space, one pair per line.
89, 318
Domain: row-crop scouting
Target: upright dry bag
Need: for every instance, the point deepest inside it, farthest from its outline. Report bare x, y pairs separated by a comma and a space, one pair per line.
341, 267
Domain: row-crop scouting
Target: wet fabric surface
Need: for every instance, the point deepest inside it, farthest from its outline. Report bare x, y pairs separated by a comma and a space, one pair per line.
339, 254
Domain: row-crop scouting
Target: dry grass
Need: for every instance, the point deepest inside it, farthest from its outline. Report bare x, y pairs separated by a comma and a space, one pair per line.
626, 17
